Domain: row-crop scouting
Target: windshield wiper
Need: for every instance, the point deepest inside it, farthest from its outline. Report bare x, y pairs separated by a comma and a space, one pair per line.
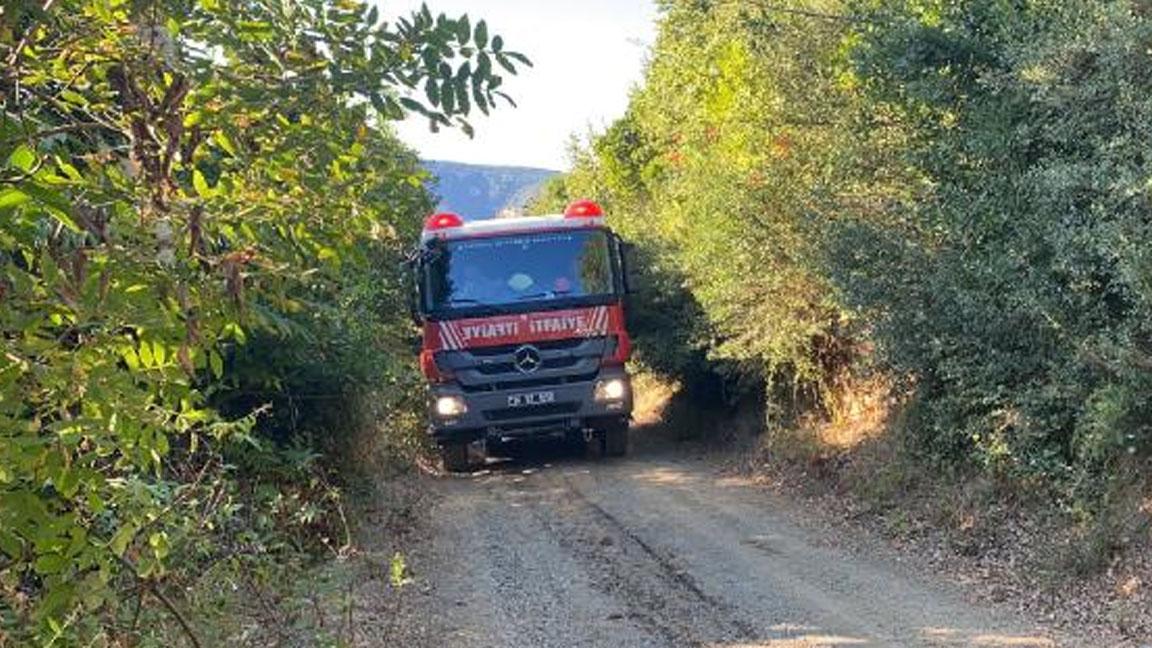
468, 301
541, 295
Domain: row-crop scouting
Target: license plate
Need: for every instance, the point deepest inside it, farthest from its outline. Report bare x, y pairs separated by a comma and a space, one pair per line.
531, 398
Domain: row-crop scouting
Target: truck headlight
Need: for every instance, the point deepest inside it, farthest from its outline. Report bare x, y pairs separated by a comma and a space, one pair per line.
450, 406
613, 389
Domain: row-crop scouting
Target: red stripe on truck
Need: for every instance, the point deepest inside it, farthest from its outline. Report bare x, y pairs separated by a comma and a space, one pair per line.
528, 327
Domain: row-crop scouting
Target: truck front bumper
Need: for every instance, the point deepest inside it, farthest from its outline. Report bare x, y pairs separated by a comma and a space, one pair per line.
530, 412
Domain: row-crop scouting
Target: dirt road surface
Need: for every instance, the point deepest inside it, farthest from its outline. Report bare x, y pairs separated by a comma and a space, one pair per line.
663, 549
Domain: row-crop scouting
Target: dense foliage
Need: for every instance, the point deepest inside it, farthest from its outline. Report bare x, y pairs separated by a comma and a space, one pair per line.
723, 163
202, 214
954, 192
1015, 286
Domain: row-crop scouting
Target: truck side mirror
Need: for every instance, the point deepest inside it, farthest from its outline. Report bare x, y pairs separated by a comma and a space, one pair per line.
627, 252
411, 270
413, 310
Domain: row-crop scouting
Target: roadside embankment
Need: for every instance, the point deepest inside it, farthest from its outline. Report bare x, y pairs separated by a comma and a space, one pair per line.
1006, 541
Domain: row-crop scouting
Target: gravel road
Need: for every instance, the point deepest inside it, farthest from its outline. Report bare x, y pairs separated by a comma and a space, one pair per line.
664, 550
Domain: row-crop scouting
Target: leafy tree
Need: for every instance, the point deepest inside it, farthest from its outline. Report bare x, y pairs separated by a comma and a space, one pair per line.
724, 172
1015, 285
954, 192
180, 178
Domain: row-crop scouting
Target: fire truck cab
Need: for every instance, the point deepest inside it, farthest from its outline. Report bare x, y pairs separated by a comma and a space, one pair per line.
523, 331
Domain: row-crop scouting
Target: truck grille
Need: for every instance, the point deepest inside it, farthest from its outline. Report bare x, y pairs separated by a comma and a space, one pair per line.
507, 367
487, 369
528, 383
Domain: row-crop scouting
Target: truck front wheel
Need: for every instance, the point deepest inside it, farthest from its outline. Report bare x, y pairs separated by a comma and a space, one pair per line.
454, 456
616, 439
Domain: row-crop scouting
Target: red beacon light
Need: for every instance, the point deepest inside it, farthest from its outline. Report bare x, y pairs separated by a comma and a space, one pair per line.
583, 209
444, 220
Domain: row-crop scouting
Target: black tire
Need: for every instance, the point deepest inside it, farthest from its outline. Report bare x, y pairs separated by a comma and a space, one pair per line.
455, 457
616, 439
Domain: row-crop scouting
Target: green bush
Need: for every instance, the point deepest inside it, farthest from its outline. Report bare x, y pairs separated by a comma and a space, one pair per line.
1014, 285
955, 193
181, 179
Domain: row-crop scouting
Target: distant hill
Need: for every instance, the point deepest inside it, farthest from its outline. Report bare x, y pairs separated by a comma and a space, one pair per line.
482, 191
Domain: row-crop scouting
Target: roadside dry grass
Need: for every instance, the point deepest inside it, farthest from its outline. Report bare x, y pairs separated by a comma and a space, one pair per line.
1007, 542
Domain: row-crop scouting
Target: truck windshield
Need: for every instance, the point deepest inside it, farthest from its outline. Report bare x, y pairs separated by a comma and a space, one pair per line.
523, 269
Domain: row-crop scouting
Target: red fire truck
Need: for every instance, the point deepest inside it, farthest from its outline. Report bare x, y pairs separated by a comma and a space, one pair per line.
523, 330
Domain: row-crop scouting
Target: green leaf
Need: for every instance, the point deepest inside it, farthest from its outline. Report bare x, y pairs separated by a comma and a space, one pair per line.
74, 97
463, 29
519, 57
146, 358
413, 105
159, 543
432, 91
505, 97
397, 570
223, 141
478, 99
201, 185
448, 97
57, 205
120, 541
131, 358
481, 34
233, 331
23, 158
52, 563
159, 352
69, 170
11, 197
216, 363
502, 59
10, 544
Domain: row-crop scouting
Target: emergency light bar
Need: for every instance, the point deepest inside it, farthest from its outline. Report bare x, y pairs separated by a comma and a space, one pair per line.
583, 209
442, 220
446, 225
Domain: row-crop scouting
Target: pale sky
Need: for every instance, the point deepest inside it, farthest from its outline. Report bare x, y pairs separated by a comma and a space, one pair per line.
587, 56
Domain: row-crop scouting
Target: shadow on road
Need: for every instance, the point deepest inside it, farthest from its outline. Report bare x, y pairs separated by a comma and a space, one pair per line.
669, 425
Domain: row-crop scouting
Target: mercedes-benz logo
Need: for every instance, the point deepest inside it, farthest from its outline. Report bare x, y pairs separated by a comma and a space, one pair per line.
527, 359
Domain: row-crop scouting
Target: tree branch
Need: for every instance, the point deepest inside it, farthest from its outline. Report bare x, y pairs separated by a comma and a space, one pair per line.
184, 625
150, 587
58, 130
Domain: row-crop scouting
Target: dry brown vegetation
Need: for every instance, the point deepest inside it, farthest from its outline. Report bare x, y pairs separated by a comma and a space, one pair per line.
1002, 538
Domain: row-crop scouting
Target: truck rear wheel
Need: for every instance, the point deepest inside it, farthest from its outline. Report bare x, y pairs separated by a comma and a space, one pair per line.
616, 439
455, 457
